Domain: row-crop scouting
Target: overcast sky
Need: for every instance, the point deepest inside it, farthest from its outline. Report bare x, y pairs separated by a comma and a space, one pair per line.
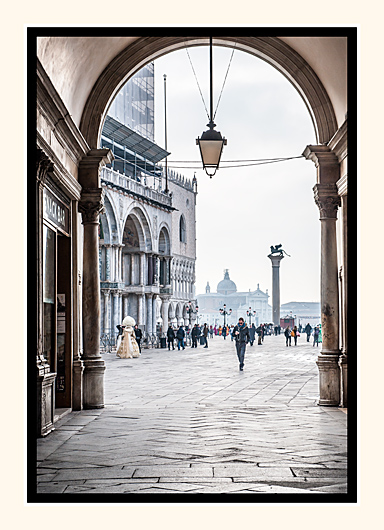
241, 212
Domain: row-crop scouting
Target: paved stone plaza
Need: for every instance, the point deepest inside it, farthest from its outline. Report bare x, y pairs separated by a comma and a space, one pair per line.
190, 422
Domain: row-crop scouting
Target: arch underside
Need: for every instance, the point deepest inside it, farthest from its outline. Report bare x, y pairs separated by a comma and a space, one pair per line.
270, 49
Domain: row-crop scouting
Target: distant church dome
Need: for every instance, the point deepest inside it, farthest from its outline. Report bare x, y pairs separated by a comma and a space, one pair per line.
226, 286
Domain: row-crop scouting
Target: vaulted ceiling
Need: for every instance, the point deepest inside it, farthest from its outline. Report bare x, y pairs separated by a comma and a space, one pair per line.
74, 64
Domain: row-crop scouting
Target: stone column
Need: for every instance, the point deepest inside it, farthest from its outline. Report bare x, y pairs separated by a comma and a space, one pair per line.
164, 312
78, 365
327, 199
116, 316
276, 259
149, 319
142, 269
125, 306
140, 309
132, 269
90, 206
154, 309
107, 325
342, 186
102, 309
157, 270
107, 262
121, 263
45, 378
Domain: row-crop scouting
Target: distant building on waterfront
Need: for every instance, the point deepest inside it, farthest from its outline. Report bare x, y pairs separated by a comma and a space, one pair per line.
302, 312
226, 293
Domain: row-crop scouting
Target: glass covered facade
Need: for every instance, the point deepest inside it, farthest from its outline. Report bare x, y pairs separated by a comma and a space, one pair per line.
134, 105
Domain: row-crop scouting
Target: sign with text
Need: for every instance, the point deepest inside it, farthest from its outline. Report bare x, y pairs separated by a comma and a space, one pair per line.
56, 211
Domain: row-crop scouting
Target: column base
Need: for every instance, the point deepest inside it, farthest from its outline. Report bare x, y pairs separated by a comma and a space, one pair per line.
77, 394
329, 380
93, 383
45, 403
343, 363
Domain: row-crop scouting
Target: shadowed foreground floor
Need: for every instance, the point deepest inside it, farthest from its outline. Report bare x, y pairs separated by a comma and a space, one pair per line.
190, 422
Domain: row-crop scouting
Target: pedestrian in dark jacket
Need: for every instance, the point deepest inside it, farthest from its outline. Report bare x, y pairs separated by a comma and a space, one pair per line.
252, 333
287, 333
295, 332
308, 330
170, 338
180, 334
194, 334
138, 335
205, 334
316, 333
241, 334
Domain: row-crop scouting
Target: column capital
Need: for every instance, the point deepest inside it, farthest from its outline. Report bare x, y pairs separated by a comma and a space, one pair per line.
165, 297
275, 258
326, 162
91, 205
327, 200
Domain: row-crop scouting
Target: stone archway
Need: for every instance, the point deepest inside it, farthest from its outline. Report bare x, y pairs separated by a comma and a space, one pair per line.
270, 49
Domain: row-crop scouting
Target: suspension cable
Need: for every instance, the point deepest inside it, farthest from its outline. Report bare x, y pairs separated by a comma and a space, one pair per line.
222, 88
254, 163
193, 70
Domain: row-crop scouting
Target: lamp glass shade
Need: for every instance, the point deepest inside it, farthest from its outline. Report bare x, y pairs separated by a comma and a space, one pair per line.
211, 146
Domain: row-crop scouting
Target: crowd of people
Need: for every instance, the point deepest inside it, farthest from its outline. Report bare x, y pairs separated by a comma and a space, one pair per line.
295, 332
199, 334
130, 335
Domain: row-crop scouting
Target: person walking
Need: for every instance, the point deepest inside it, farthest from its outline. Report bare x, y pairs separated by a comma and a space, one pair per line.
287, 333
241, 333
295, 334
308, 331
170, 337
211, 332
252, 333
224, 332
138, 335
180, 334
205, 335
194, 335
316, 333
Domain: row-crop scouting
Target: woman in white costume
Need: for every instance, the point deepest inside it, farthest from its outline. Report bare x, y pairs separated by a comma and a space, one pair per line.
128, 347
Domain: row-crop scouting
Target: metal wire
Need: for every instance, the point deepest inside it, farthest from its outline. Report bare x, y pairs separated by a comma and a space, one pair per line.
201, 94
255, 163
222, 88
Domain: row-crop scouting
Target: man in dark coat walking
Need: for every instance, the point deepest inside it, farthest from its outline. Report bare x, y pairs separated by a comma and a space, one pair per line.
170, 338
138, 335
241, 334
180, 334
194, 335
252, 333
205, 334
308, 330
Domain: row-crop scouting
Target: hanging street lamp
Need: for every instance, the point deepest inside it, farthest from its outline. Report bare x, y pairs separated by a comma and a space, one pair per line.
211, 142
250, 313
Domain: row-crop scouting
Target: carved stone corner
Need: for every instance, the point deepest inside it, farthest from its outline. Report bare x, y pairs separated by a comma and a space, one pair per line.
43, 166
